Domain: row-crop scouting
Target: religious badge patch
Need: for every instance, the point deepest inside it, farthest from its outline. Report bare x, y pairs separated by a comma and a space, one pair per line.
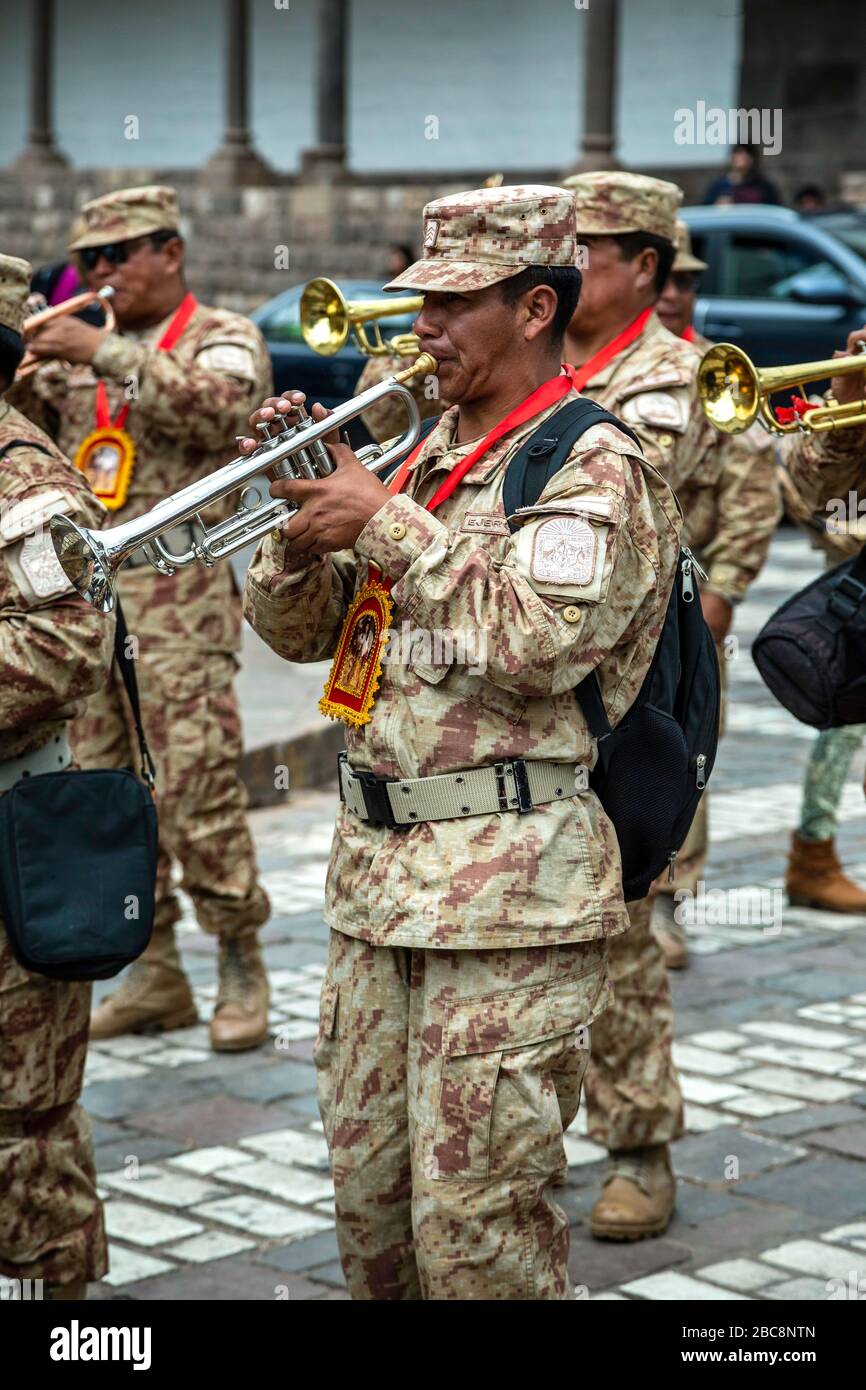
106, 458
563, 552
350, 689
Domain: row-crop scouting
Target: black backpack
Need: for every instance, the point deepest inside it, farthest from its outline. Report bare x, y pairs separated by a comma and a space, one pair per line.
812, 652
653, 767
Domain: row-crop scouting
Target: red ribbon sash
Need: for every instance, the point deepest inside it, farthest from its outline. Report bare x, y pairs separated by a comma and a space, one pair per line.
688, 333
179, 320
606, 354
544, 396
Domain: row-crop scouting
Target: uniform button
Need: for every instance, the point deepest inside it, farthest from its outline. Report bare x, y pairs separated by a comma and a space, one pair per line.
276, 535
396, 530
666, 440
571, 614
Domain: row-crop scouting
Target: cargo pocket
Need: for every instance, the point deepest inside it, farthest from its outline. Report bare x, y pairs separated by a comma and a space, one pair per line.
511, 1069
326, 1058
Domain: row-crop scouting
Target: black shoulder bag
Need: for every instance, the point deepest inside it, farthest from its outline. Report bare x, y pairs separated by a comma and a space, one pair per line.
78, 855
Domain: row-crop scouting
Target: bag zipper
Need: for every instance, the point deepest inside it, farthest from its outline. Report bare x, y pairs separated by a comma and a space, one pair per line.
700, 765
688, 564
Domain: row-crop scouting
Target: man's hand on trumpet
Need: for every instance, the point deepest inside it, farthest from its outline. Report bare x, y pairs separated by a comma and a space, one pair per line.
67, 338
332, 511
846, 389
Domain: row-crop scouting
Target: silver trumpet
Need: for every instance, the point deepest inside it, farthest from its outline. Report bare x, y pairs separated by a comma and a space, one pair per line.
90, 559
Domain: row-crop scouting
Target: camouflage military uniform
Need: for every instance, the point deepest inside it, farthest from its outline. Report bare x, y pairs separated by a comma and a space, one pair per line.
632, 1088
467, 956
386, 419
729, 527
186, 407
54, 650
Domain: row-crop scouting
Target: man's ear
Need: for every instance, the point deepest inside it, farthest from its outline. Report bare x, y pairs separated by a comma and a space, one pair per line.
173, 251
540, 305
645, 265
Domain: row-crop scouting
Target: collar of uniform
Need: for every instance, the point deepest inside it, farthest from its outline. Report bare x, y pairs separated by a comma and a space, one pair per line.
652, 326
156, 330
5, 407
441, 454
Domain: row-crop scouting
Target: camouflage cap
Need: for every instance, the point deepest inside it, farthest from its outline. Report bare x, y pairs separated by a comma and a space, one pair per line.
472, 240
14, 289
128, 213
613, 202
685, 258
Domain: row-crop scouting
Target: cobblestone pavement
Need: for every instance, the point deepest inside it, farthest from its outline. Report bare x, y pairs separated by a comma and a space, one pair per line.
214, 1168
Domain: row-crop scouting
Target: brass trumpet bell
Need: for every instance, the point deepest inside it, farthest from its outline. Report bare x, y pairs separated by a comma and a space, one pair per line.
327, 319
734, 392
29, 363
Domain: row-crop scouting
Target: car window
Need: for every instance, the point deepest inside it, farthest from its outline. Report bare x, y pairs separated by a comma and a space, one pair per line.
283, 322
757, 265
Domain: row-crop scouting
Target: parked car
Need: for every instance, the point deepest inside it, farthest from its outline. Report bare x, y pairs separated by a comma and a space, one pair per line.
783, 287
330, 380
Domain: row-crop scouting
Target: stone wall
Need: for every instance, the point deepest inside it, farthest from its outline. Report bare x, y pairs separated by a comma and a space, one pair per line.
238, 241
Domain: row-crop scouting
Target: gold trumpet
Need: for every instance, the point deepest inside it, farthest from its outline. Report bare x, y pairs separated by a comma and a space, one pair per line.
29, 363
327, 318
734, 392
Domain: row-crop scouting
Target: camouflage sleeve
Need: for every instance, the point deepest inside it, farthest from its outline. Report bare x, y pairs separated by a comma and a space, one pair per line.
36, 397
747, 509
674, 434
206, 403
572, 582
827, 467
299, 613
54, 647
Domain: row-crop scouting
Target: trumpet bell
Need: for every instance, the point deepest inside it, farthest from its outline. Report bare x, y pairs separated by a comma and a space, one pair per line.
728, 386
84, 560
325, 320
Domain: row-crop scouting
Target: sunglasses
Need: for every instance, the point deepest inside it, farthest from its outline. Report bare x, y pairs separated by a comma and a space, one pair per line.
116, 252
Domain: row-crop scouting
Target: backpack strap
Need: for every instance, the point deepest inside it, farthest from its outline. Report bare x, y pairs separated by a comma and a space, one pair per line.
529, 472
23, 444
547, 449
126, 664
427, 426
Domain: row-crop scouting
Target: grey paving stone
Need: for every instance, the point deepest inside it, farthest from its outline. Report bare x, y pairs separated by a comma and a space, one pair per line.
844, 1139
704, 1157
144, 1147
214, 1120
305, 1106
229, 1280
831, 1188
695, 1205
814, 985
303, 1254
802, 1121
266, 1083
599, 1264
330, 1274
749, 1231
112, 1100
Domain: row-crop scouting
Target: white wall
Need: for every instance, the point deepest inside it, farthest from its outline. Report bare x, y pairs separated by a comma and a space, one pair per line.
503, 77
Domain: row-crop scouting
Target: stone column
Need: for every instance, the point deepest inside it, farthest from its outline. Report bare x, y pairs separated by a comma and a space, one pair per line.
599, 86
326, 161
236, 163
41, 156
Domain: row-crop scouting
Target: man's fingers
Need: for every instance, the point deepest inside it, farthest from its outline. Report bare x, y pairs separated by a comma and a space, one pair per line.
296, 490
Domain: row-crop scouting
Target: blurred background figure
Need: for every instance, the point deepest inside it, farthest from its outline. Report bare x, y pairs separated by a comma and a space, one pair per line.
743, 182
400, 257
815, 877
810, 198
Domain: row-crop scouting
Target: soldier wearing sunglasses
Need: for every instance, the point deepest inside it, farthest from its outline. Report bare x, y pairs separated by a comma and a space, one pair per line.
143, 411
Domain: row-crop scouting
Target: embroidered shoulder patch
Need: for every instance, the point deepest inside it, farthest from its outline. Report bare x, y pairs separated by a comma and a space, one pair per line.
31, 513
656, 408
41, 568
563, 552
230, 358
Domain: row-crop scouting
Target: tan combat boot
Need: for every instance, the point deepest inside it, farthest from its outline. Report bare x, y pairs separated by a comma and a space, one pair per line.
154, 998
240, 1018
668, 932
638, 1195
815, 878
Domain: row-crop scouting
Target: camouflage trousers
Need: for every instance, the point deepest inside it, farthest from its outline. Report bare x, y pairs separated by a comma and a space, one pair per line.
826, 774
51, 1224
192, 723
446, 1081
633, 1093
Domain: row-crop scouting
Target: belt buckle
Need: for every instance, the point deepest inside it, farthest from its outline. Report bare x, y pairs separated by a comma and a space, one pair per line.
373, 791
521, 786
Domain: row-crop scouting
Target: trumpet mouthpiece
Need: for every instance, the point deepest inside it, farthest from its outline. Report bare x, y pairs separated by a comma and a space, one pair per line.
424, 362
